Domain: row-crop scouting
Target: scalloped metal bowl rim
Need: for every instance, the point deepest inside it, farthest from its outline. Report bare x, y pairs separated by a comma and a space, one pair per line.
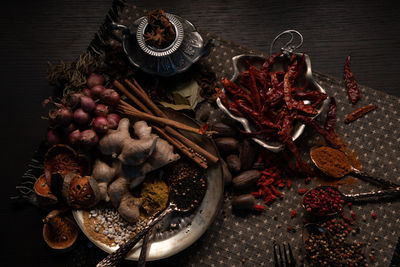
244, 121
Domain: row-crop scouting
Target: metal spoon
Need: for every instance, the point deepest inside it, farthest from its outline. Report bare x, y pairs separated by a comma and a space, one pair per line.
349, 170
143, 251
175, 205
358, 197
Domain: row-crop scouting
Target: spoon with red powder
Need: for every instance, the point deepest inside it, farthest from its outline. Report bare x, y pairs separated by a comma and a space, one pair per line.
329, 201
336, 164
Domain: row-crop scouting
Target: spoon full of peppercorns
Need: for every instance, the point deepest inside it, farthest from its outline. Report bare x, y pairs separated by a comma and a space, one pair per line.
188, 185
336, 164
328, 200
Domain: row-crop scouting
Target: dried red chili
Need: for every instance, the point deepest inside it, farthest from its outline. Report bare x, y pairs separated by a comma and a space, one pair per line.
258, 207
271, 60
253, 88
358, 113
309, 95
330, 120
204, 128
292, 213
236, 91
287, 82
351, 84
312, 123
302, 191
231, 106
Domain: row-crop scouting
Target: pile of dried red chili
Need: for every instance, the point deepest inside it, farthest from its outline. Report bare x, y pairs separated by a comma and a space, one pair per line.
274, 100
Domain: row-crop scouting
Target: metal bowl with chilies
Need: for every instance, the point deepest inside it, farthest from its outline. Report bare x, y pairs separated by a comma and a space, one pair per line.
242, 63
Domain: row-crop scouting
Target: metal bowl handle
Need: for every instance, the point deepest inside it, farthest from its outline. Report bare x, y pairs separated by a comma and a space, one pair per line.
124, 29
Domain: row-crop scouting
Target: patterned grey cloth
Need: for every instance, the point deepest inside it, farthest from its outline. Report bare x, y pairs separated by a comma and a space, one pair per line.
247, 241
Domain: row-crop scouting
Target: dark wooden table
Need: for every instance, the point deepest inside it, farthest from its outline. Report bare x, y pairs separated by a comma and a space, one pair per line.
35, 32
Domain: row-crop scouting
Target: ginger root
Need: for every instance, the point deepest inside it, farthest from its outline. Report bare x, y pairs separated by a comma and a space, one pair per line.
120, 196
104, 174
112, 143
135, 158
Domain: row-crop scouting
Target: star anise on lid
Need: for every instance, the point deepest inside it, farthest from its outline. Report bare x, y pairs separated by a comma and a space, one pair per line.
160, 32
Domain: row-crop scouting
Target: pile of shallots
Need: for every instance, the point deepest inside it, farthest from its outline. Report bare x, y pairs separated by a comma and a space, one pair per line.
80, 118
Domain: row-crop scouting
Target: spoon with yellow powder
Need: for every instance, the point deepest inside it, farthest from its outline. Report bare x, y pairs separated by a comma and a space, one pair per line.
336, 164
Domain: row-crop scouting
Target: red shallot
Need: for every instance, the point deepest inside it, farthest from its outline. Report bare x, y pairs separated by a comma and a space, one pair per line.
62, 116
89, 137
110, 97
52, 137
113, 120
101, 110
100, 124
87, 92
68, 129
74, 138
87, 103
81, 117
95, 79
96, 91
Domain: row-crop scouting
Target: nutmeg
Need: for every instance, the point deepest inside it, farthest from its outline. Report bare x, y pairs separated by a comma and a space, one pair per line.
243, 202
233, 163
247, 154
223, 130
246, 179
226, 173
227, 145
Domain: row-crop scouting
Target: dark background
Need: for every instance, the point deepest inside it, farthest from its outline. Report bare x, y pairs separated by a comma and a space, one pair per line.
35, 32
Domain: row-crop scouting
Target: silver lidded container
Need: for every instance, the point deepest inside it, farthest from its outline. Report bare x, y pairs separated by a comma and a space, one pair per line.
187, 47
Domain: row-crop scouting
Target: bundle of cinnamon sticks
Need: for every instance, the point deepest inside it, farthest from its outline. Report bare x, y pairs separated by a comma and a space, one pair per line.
146, 110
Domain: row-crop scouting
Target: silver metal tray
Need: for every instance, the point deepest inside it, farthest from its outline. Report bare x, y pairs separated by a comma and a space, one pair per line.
186, 235
242, 63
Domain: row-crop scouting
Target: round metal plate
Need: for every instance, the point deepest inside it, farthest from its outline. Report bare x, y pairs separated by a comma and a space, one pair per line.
201, 219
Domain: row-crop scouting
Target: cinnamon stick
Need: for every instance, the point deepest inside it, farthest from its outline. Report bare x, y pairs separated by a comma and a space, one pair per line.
139, 91
131, 97
146, 116
184, 149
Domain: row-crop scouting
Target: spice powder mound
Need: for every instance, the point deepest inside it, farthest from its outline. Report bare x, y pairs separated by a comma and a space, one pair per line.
154, 194
331, 161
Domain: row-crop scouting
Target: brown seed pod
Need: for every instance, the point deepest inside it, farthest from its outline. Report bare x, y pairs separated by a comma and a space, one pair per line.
246, 179
80, 192
60, 159
59, 232
243, 202
233, 163
44, 195
223, 129
227, 145
226, 172
247, 154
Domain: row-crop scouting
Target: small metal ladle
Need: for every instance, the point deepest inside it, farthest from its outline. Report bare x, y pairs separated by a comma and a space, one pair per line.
352, 170
359, 197
174, 206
